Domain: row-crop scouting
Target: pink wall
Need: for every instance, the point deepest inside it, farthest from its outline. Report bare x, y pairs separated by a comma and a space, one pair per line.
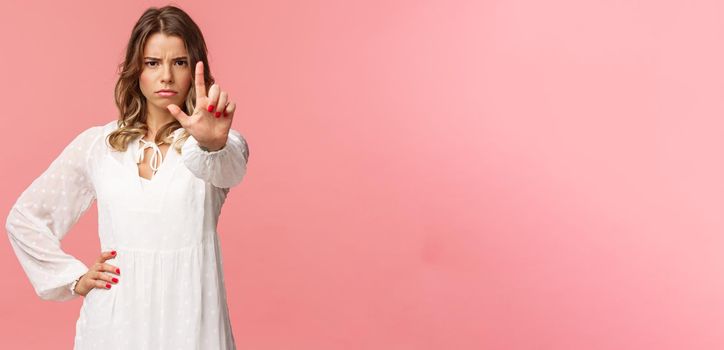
424, 174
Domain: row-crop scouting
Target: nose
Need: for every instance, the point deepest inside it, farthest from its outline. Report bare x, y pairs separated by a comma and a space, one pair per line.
167, 77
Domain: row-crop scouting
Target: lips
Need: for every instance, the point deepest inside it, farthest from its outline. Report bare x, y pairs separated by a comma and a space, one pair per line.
166, 93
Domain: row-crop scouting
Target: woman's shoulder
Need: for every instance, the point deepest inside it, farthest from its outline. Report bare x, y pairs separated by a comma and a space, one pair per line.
108, 127
91, 136
104, 129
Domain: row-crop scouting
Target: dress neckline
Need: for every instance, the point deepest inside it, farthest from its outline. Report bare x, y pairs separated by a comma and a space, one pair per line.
157, 162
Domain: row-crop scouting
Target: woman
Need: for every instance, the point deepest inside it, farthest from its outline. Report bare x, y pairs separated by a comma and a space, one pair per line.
160, 174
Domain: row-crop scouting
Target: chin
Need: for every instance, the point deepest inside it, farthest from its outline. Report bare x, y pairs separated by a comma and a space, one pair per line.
165, 102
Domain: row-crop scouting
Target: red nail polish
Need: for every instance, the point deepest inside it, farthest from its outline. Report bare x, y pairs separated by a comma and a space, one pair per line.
118, 270
211, 108
115, 280
218, 114
108, 286
113, 252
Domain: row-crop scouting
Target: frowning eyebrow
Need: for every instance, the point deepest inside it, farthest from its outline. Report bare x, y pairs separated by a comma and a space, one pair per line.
175, 59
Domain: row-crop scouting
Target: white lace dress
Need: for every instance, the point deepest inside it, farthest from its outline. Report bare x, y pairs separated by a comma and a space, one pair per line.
171, 292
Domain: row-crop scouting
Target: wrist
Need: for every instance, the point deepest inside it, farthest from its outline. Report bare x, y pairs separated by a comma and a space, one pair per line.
74, 285
212, 147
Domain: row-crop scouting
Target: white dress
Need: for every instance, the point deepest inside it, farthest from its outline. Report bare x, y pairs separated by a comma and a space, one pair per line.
171, 292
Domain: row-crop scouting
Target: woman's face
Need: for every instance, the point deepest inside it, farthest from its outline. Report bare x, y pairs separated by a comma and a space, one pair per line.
165, 66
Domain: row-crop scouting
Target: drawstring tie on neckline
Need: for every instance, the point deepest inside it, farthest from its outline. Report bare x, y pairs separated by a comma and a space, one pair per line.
156, 157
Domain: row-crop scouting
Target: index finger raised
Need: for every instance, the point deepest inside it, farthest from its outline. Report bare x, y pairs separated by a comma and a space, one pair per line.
200, 83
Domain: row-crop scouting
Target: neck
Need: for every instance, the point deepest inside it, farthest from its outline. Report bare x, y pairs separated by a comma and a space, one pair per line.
155, 119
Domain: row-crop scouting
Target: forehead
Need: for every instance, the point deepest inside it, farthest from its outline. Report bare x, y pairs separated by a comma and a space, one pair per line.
160, 45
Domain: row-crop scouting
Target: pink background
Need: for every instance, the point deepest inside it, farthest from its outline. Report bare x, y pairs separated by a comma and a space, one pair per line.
423, 174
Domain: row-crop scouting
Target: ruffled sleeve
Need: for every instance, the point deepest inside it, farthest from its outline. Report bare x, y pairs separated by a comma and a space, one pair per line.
46, 211
222, 168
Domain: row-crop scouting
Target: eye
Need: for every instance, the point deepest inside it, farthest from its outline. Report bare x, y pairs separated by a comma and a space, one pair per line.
151, 62
182, 62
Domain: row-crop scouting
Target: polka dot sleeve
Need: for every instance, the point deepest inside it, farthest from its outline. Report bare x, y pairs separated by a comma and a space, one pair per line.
46, 211
222, 168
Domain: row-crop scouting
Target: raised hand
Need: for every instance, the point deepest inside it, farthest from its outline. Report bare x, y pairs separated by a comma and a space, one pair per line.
211, 119
97, 277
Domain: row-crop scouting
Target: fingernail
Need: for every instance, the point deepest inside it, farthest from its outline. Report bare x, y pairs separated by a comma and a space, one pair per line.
118, 270
115, 280
113, 252
108, 286
218, 114
211, 108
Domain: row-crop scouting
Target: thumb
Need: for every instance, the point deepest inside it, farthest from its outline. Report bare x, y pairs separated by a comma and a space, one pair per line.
177, 113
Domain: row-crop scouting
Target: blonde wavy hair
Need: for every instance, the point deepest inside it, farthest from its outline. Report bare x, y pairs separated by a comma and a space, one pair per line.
131, 102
